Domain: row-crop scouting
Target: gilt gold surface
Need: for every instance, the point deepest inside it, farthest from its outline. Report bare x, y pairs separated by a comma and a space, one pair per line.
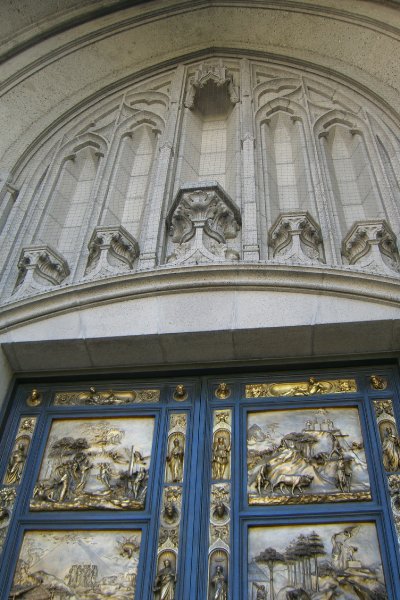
223, 391
305, 456
7, 500
16, 463
312, 387
388, 433
77, 564
93, 397
34, 398
95, 464
180, 393
176, 448
378, 382
312, 561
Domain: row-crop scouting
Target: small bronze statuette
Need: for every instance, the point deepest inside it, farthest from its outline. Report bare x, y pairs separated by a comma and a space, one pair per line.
181, 393
378, 383
223, 392
35, 398
175, 461
218, 581
164, 585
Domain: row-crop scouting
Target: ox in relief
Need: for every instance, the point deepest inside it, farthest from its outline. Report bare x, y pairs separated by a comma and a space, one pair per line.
306, 456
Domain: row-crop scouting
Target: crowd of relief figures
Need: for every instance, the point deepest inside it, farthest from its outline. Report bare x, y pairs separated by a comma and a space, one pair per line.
315, 562
95, 464
77, 565
306, 455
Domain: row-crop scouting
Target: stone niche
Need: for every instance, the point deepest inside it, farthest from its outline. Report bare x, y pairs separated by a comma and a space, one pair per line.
203, 224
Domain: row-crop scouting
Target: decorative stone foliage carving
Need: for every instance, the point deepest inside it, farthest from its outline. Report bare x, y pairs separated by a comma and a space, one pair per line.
372, 245
112, 250
215, 73
200, 221
39, 267
296, 237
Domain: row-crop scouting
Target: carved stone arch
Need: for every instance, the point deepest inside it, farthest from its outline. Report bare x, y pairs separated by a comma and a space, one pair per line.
285, 105
338, 117
151, 99
86, 140
281, 87
138, 119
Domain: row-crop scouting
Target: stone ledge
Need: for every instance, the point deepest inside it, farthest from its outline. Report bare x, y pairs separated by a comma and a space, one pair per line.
167, 281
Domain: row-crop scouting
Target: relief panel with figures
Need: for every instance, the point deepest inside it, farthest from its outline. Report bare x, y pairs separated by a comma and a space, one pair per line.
319, 561
95, 464
306, 456
89, 565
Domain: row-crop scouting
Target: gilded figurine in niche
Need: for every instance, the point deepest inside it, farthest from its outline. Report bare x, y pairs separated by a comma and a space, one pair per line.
164, 585
17, 460
315, 562
175, 458
306, 456
219, 585
95, 464
390, 449
220, 454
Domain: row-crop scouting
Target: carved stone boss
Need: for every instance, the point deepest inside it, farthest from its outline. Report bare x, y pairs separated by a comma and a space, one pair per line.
372, 245
200, 222
296, 237
112, 250
39, 267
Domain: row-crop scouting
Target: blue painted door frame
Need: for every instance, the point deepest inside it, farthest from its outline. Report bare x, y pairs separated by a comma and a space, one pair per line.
192, 572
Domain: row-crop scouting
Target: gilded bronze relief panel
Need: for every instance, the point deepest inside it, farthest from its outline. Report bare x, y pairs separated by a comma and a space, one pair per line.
318, 562
95, 464
306, 456
80, 564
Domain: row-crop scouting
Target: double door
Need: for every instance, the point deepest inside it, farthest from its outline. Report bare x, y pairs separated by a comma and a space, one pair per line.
259, 487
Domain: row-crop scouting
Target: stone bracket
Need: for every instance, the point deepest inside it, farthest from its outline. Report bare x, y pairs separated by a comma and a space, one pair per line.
296, 237
200, 221
372, 245
39, 267
112, 250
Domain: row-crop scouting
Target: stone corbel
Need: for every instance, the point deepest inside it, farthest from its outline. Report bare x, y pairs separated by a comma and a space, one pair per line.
372, 245
295, 237
39, 267
219, 75
112, 250
200, 222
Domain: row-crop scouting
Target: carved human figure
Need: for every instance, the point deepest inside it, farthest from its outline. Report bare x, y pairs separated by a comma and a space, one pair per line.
16, 465
344, 474
220, 510
105, 474
377, 382
261, 592
219, 585
164, 585
340, 549
170, 512
175, 461
80, 469
34, 399
390, 450
220, 457
180, 392
223, 392
139, 482
64, 479
337, 449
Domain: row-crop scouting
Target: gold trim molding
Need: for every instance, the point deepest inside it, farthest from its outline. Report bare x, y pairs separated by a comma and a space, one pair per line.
312, 387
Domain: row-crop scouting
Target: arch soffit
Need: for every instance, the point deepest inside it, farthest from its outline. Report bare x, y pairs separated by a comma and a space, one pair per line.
86, 140
283, 105
334, 118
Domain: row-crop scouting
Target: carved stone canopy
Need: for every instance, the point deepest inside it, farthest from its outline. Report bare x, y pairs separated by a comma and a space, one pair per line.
39, 267
372, 245
296, 237
111, 250
200, 221
211, 73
